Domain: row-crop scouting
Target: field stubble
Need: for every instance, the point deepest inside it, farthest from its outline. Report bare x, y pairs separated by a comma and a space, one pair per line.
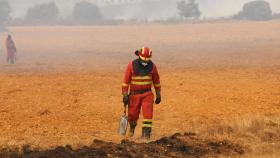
220, 81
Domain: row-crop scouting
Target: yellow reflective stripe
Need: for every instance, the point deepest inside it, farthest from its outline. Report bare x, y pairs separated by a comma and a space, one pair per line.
146, 125
141, 77
145, 59
157, 85
147, 120
143, 49
141, 83
125, 85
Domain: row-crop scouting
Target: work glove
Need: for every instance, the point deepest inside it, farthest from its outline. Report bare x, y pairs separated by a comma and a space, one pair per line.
158, 99
125, 99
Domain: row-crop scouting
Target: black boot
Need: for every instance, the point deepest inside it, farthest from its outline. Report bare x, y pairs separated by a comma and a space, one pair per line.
132, 126
146, 133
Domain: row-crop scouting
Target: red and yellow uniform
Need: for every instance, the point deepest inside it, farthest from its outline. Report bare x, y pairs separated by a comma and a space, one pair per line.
138, 82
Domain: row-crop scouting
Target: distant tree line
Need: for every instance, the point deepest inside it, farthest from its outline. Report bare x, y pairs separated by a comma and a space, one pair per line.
42, 14
188, 10
86, 13
258, 10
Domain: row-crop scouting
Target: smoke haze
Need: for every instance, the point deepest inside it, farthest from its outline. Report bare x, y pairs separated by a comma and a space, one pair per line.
152, 9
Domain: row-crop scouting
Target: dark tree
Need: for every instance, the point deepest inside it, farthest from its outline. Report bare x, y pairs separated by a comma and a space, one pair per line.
86, 13
255, 10
5, 11
188, 10
43, 14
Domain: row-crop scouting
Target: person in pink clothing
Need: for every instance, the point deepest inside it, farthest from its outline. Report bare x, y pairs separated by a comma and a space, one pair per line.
11, 50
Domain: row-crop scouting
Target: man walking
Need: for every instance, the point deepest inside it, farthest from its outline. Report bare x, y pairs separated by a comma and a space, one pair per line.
139, 77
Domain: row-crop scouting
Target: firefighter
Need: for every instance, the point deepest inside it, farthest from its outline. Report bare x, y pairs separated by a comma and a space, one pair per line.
141, 74
11, 50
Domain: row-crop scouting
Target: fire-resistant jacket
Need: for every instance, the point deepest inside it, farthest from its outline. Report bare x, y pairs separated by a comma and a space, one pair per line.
138, 77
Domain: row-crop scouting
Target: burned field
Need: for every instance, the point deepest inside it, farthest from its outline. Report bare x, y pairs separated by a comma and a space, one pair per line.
220, 81
177, 145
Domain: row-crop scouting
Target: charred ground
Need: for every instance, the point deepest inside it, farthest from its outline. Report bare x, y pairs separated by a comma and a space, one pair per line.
177, 145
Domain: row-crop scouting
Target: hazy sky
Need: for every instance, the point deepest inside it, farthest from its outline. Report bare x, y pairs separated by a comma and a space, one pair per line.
150, 8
